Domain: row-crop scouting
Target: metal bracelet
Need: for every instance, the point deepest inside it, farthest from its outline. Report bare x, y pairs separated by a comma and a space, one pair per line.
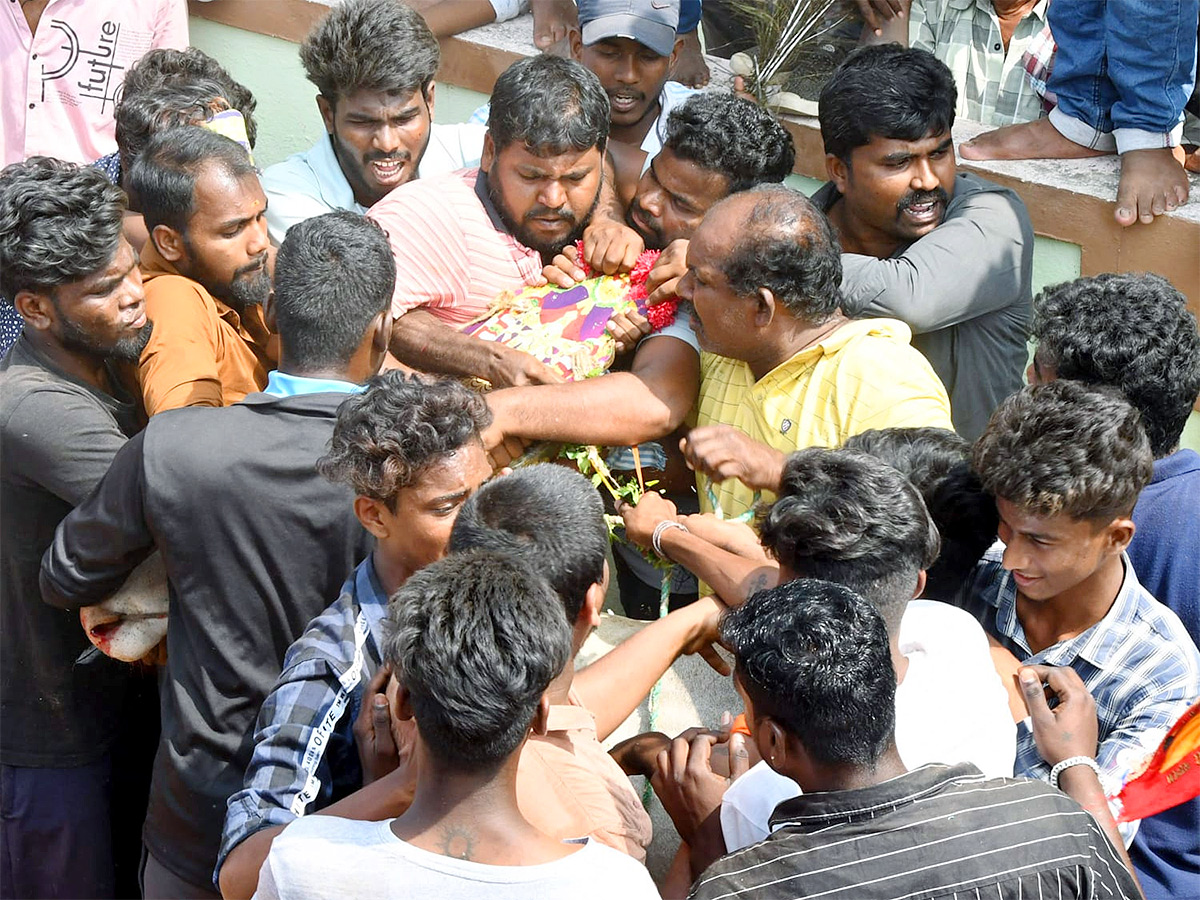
656, 538
1073, 761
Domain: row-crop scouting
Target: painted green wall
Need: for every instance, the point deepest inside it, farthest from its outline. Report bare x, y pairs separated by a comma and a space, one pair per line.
288, 122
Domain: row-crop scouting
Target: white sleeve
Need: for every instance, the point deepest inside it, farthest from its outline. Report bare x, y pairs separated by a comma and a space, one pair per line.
748, 803
509, 9
267, 889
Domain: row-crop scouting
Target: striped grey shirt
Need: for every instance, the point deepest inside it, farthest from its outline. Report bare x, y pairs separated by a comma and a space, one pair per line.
938, 831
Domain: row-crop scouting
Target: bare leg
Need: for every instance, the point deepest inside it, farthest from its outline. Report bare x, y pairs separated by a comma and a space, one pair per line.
1152, 183
1029, 140
690, 67
552, 20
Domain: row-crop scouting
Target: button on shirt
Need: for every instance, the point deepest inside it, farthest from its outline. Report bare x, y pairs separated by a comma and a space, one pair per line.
454, 256
993, 85
61, 84
312, 183
863, 375
1138, 662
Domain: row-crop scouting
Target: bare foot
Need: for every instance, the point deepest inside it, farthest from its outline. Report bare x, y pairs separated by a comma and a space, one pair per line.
1029, 140
1191, 161
552, 20
690, 67
1152, 183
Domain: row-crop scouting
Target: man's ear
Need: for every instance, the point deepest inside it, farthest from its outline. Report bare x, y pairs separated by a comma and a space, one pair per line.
764, 307
429, 91
399, 699
575, 39
922, 580
675, 51
1120, 533
36, 309
326, 109
169, 242
381, 336
488, 156
838, 171
541, 715
593, 602
772, 741
370, 513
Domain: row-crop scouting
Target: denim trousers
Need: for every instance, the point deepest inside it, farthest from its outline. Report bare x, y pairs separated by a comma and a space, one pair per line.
1123, 70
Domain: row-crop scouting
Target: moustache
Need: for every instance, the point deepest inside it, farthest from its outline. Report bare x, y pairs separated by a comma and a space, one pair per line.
402, 157
916, 198
545, 212
260, 264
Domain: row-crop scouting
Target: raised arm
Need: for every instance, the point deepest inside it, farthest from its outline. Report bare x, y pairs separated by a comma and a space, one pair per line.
987, 243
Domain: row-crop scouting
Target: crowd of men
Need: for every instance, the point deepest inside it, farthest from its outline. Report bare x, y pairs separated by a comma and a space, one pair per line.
962, 599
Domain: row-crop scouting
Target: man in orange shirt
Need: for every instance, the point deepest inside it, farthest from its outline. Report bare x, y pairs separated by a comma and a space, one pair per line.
205, 269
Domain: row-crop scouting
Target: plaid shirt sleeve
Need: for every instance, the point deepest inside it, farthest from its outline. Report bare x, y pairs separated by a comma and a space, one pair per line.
304, 748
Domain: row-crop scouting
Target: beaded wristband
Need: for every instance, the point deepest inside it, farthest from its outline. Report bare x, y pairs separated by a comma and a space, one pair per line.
1068, 763
656, 538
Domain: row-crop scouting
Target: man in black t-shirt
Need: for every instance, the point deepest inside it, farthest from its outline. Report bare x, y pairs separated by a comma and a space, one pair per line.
74, 280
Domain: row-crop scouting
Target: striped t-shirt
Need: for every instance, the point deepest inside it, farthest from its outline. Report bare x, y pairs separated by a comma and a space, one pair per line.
937, 831
453, 256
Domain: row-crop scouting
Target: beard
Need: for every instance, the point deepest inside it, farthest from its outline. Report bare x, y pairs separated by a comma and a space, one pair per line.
126, 349
525, 234
354, 167
651, 234
250, 288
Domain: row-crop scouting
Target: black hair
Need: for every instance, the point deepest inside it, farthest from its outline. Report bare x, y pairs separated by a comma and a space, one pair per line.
376, 45
1132, 332
59, 223
396, 428
815, 657
334, 274
551, 514
1065, 449
788, 246
732, 137
887, 91
549, 104
178, 68
163, 178
847, 517
938, 463
475, 638
141, 115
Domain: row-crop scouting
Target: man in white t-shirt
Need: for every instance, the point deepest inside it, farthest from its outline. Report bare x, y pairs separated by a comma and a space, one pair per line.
373, 62
474, 641
846, 517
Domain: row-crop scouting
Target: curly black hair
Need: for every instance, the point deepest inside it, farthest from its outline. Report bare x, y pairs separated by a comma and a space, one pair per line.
1132, 332
1065, 449
815, 657
167, 66
848, 517
59, 223
734, 137
376, 45
394, 430
886, 90
788, 246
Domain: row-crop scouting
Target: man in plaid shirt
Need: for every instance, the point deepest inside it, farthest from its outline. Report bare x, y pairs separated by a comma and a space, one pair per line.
1066, 464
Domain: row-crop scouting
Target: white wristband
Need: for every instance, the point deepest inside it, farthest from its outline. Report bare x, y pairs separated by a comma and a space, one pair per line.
1068, 763
656, 538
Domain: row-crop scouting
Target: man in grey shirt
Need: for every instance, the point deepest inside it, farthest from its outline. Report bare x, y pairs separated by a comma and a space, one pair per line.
948, 253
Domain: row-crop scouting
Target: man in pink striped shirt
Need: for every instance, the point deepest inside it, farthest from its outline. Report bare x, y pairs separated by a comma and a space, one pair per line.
62, 63
462, 239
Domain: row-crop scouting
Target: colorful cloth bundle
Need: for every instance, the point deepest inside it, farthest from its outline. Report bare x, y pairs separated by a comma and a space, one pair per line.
565, 327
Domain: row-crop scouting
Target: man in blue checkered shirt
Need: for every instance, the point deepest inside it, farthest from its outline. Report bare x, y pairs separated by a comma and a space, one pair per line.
1066, 464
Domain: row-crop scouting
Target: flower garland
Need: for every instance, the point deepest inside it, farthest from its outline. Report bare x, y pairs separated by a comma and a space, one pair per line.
660, 315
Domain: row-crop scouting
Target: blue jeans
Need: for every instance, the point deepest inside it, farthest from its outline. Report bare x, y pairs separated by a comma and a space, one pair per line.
1123, 71
689, 16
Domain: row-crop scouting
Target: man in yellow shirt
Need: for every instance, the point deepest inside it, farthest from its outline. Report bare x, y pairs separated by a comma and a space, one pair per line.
782, 367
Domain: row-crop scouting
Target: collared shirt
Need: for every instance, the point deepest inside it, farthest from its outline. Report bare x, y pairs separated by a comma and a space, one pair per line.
863, 375
201, 352
965, 291
937, 831
283, 384
673, 95
312, 183
305, 755
454, 256
1138, 662
993, 85
61, 84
